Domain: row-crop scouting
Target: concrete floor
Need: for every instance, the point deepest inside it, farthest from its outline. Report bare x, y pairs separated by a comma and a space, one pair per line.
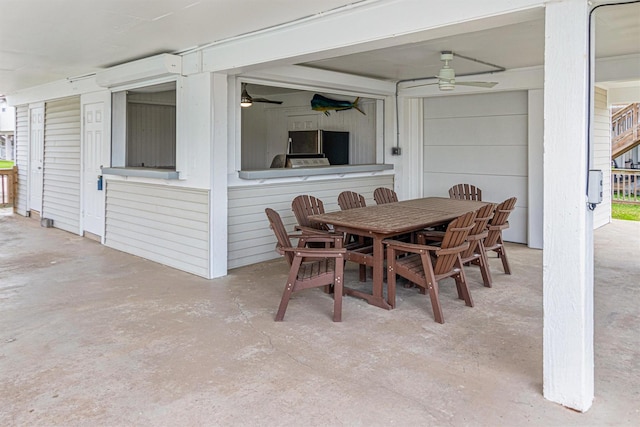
93, 336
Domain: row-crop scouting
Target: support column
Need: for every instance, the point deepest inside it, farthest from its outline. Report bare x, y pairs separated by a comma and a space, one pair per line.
568, 232
218, 206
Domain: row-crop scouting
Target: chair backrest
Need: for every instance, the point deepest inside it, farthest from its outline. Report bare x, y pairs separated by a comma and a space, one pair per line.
282, 237
465, 192
351, 200
499, 221
455, 236
305, 205
479, 230
384, 195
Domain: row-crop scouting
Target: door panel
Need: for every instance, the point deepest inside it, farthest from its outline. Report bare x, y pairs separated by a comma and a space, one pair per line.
36, 158
93, 196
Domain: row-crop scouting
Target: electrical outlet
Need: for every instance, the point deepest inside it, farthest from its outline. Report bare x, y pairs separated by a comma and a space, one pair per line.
396, 151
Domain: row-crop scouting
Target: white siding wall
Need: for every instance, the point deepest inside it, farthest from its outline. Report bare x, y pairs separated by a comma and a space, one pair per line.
250, 238
22, 156
481, 140
169, 225
151, 135
61, 190
602, 155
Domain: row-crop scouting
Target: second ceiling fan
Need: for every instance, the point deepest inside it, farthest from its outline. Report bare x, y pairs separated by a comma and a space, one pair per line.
447, 75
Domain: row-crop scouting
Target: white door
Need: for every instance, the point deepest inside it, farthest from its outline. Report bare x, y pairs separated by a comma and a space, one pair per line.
93, 160
36, 158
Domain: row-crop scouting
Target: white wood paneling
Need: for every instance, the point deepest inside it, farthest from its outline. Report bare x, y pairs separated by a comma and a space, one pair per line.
151, 135
481, 140
250, 238
169, 225
601, 155
61, 191
22, 157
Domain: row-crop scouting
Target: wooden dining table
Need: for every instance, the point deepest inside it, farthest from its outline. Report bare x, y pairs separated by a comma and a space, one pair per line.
387, 221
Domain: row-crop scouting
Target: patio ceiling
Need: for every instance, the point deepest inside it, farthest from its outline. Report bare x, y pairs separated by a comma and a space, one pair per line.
44, 41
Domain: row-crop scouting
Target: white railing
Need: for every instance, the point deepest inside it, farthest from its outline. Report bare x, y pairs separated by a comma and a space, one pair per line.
8, 183
625, 185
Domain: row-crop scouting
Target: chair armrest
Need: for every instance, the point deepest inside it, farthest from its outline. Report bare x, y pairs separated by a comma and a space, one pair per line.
316, 252
499, 227
409, 247
479, 236
454, 250
323, 238
432, 235
310, 230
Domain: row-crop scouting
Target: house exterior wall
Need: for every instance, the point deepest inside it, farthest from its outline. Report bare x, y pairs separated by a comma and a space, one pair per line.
22, 157
61, 181
166, 224
146, 216
251, 240
479, 139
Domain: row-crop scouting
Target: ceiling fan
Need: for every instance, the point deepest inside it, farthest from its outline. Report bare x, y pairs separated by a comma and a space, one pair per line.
447, 75
247, 100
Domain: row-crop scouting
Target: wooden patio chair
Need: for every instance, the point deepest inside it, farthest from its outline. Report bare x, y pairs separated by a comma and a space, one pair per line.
426, 265
303, 206
309, 267
359, 247
475, 253
351, 200
384, 195
465, 192
493, 241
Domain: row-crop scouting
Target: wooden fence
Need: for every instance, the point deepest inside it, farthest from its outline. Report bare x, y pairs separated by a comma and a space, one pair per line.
8, 186
625, 185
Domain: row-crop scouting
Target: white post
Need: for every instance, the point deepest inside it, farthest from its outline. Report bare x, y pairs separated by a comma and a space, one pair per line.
568, 232
218, 199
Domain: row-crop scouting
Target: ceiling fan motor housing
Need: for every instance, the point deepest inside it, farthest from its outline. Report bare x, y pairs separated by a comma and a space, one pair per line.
446, 55
446, 78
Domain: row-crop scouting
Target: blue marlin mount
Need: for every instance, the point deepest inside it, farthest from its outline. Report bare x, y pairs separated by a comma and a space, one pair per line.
324, 104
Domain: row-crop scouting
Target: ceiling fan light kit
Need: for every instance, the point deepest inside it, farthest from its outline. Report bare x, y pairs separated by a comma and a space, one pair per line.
245, 99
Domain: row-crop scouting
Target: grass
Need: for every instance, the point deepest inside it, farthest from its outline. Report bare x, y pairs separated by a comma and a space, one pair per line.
6, 164
625, 211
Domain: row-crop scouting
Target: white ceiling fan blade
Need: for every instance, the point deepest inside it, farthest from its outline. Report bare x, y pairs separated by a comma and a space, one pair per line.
423, 84
477, 84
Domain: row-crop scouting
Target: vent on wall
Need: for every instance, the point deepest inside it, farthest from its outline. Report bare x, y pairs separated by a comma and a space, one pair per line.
144, 69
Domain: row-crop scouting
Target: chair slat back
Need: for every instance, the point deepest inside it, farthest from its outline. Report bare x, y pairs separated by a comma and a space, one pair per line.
456, 235
303, 206
465, 192
384, 195
483, 216
282, 237
499, 219
351, 200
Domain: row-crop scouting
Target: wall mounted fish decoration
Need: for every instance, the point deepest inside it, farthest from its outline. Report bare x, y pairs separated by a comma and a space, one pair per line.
324, 104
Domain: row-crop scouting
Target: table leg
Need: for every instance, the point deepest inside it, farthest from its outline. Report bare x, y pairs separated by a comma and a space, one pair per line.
378, 267
376, 297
